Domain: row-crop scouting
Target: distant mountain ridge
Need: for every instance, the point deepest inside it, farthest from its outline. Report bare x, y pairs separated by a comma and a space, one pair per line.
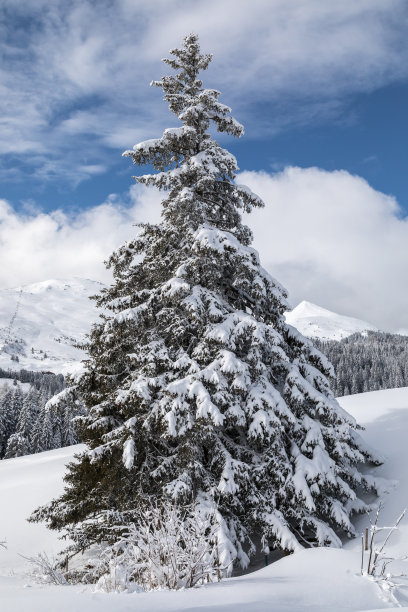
40, 323
316, 322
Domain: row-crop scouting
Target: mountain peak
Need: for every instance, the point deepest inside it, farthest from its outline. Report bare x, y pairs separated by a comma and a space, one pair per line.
316, 322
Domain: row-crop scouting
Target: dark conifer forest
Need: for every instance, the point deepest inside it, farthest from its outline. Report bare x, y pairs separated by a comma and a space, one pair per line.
368, 362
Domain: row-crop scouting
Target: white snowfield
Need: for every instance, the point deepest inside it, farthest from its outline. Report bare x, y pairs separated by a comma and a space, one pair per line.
40, 324
316, 322
314, 580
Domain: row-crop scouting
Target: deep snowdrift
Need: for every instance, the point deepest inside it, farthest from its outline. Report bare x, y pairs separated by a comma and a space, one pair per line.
319, 579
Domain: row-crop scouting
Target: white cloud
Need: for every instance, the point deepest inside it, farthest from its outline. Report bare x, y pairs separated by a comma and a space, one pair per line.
35, 246
75, 77
332, 239
328, 237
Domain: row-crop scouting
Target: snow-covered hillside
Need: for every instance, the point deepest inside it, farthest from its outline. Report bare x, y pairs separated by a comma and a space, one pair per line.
41, 322
317, 322
319, 579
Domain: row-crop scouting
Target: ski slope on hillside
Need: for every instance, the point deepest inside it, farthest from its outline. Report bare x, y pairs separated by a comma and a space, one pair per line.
40, 324
316, 322
318, 580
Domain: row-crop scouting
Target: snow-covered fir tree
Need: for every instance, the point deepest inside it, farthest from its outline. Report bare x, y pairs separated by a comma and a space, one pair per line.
197, 390
20, 442
11, 402
31, 420
3, 419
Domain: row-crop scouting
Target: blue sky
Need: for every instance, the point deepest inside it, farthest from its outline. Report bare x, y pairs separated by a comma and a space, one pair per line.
316, 86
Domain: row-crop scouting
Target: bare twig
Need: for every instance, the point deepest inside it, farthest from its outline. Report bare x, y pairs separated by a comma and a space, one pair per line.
391, 530
373, 531
45, 569
378, 561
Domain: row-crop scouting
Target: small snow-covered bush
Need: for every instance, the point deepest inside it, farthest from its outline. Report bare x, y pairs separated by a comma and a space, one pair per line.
46, 570
170, 547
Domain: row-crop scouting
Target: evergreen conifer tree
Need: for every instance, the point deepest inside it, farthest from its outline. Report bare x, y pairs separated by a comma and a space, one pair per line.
197, 390
20, 443
3, 420
17, 446
47, 429
69, 436
11, 405
36, 438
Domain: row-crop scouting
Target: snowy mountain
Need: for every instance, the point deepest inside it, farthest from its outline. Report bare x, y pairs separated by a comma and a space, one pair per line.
40, 324
318, 579
317, 322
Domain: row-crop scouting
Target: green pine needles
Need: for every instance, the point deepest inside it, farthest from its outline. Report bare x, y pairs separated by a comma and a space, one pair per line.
198, 392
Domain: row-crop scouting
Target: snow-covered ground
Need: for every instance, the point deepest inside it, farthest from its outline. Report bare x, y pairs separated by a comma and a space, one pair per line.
318, 580
40, 324
316, 322
9, 382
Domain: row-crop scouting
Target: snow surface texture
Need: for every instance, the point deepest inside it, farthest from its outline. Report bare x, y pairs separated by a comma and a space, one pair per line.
319, 579
316, 322
41, 322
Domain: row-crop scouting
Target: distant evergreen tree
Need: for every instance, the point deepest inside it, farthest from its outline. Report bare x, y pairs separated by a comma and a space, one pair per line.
56, 430
3, 420
11, 405
197, 390
17, 446
16, 406
69, 414
47, 430
27, 425
20, 443
37, 443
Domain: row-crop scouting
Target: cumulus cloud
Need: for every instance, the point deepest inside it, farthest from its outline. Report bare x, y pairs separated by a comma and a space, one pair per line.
333, 240
329, 237
75, 74
36, 246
